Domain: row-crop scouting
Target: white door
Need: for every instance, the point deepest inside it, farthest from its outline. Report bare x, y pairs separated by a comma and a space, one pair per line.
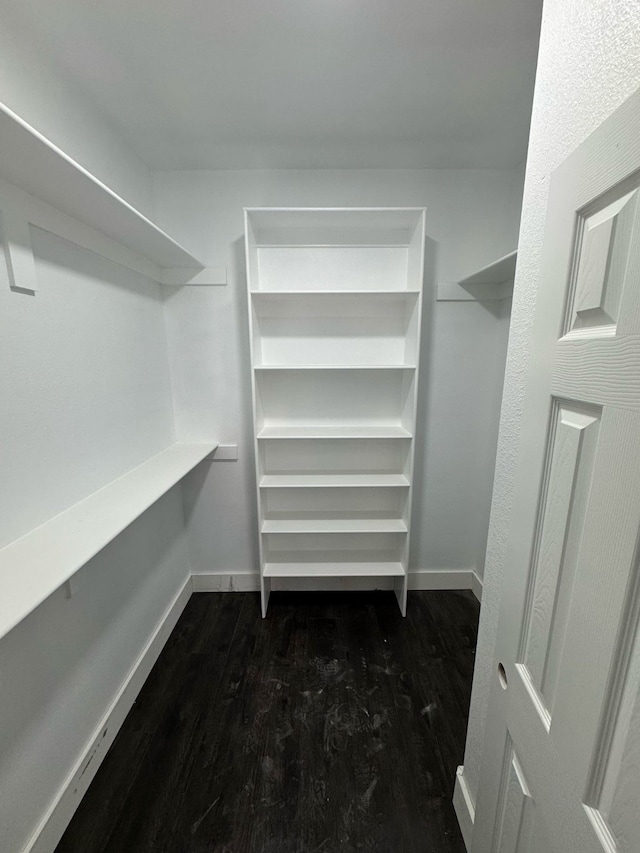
561, 767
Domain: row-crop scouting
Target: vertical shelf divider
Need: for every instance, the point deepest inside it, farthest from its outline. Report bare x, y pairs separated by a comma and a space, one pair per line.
335, 307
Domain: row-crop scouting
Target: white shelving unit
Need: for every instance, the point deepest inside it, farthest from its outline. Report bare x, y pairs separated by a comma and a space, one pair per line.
335, 304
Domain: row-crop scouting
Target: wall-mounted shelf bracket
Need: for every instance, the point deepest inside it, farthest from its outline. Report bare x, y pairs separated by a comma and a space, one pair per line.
18, 253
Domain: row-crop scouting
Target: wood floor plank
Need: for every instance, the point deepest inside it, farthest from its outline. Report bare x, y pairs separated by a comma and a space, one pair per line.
333, 724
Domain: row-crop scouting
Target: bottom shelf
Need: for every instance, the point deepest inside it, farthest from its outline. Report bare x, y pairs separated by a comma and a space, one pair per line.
331, 570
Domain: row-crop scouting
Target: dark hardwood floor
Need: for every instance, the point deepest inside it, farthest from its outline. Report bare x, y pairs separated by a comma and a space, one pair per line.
332, 725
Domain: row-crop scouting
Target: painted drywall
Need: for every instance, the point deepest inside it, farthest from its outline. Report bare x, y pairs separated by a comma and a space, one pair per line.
84, 380
471, 220
62, 666
589, 64
282, 84
34, 85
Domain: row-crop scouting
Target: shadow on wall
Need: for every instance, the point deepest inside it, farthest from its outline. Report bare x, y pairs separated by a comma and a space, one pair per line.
244, 355
196, 481
423, 403
76, 261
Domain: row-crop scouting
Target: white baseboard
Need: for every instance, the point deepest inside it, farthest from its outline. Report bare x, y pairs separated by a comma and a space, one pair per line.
226, 582
464, 808
56, 819
440, 579
476, 586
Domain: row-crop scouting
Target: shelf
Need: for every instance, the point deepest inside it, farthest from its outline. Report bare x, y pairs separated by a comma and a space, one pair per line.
497, 272
335, 525
310, 481
332, 570
37, 166
319, 431
495, 281
334, 226
349, 397
334, 367
37, 564
335, 300
382, 294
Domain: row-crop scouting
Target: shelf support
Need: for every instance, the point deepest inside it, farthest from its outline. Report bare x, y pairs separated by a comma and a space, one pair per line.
18, 252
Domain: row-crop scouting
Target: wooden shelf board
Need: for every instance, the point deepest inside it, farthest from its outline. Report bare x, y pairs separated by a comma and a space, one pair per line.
336, 525
311, 481
41, 561
318, 431
331, 570
334, 367
392, 293
37, 166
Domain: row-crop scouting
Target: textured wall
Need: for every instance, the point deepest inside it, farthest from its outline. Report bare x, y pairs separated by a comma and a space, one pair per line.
471, 220
34, 87
84, 377
589, 63
84, 384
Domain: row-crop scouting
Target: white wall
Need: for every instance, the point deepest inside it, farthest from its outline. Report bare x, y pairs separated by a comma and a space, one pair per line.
84, 380
85, 390
471, 220
589, 64
63, 665
41, 93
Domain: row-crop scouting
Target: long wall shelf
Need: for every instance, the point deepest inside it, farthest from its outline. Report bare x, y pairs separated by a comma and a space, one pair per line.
37, 564
335, 299
40, 168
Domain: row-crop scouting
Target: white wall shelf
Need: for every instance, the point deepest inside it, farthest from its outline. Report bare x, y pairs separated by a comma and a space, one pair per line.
332, 431
335, 367
334, 570
37, 564
335, 525
37, 166
494, 281
334, 312
340, 481
379, 293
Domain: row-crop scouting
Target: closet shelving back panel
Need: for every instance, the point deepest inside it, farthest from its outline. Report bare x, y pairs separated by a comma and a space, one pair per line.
335, 303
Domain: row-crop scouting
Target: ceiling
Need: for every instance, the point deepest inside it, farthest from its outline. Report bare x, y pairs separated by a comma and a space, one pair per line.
202, 84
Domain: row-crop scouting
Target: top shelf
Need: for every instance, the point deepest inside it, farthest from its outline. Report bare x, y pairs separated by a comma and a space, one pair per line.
388, 294
37, 166
333, 227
